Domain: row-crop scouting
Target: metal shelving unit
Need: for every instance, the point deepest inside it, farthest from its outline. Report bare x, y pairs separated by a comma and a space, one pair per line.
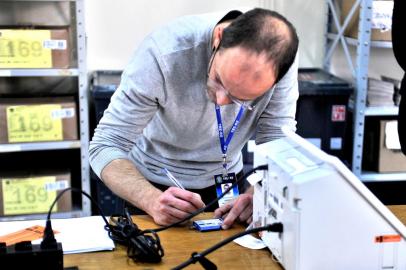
360, 74
38, 146
78, 72
378, 111
38, 72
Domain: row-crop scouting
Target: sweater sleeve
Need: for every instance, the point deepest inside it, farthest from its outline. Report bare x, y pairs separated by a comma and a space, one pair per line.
281, 109
132, 106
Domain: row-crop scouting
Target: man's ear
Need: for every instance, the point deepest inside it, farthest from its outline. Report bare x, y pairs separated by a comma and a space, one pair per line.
217, 35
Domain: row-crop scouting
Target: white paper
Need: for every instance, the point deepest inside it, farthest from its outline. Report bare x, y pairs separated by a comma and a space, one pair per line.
77, 235
251, 146
249, 241
391, 135
254, 178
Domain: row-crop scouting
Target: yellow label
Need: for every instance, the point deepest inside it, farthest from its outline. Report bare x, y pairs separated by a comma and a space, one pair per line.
28, 195
34, 123
24, 49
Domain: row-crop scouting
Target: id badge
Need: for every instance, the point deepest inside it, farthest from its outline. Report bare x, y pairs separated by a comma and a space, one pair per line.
224, 182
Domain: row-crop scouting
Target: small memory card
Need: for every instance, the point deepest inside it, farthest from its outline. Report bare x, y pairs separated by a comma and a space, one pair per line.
206, 225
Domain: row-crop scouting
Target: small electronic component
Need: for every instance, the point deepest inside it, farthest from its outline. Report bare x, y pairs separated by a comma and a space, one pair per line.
205, 225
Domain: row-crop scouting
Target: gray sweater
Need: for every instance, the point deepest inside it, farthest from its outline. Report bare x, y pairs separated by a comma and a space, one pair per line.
160, 115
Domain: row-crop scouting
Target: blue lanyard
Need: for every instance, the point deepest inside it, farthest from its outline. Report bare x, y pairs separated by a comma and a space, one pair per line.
224, 144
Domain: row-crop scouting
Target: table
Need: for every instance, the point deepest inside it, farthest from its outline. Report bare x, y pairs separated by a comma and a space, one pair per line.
179, 243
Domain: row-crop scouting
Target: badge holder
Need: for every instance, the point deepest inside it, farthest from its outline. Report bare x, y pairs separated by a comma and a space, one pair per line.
223, 183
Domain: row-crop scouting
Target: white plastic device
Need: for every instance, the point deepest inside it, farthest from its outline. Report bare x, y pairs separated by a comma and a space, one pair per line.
331, 220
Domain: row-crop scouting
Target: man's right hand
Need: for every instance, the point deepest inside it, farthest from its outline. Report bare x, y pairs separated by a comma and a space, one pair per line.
173, 205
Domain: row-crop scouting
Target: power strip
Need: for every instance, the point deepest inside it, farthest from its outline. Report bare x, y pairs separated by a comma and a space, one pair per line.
24, 255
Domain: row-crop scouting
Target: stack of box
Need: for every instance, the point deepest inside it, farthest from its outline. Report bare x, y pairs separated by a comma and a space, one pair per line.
381, 21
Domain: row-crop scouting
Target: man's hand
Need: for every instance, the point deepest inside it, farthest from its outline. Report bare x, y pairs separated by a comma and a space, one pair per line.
237, 210
173, 205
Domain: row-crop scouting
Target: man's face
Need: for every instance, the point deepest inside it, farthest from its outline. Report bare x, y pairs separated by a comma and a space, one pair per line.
238, 75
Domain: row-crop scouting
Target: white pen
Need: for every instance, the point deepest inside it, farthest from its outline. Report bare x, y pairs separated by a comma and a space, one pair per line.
172, 178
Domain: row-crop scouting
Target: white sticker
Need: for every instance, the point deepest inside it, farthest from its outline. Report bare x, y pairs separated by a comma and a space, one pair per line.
315, 141
392, 136
54, 44
10, 148
63, 113
58, 185
382, 15
5, 73
336, 143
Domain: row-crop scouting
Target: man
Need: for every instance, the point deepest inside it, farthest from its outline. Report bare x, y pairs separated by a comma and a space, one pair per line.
163, 114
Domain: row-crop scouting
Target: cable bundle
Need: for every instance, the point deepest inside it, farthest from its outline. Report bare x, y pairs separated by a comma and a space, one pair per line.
141, 247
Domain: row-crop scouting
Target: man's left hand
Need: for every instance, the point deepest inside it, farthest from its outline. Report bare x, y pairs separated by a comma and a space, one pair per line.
238, 210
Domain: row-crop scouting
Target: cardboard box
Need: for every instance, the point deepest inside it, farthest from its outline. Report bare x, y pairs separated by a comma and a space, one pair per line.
35, 48
33, 194
381, 147
382, 18
37, 119
38, 13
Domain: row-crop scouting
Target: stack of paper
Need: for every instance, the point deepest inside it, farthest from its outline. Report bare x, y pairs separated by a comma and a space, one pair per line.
380, 93
397, 85
77, 235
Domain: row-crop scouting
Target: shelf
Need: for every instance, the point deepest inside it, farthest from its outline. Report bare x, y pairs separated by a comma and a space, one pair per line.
71, 214
50, 14
39, 0
38, 146
378, 110
38, 72
382, 177
354, 41
382, 111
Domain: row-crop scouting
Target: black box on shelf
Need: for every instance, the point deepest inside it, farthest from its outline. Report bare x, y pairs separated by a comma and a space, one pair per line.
103, 85
322, 108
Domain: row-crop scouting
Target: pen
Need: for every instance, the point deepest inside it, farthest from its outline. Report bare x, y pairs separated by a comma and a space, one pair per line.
172, 178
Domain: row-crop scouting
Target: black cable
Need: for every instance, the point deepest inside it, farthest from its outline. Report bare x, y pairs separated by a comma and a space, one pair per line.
201, 210
140, 246
49, 237
197, 257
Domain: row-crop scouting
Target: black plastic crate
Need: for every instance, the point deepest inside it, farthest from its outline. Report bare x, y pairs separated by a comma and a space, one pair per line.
322, 110
103, 84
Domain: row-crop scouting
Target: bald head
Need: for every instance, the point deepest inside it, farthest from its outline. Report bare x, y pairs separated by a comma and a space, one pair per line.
264, 32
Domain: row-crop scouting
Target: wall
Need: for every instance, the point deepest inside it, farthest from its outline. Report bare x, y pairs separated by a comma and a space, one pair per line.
115, 27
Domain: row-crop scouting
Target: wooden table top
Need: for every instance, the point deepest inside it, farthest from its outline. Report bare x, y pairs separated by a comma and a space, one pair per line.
179, 243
